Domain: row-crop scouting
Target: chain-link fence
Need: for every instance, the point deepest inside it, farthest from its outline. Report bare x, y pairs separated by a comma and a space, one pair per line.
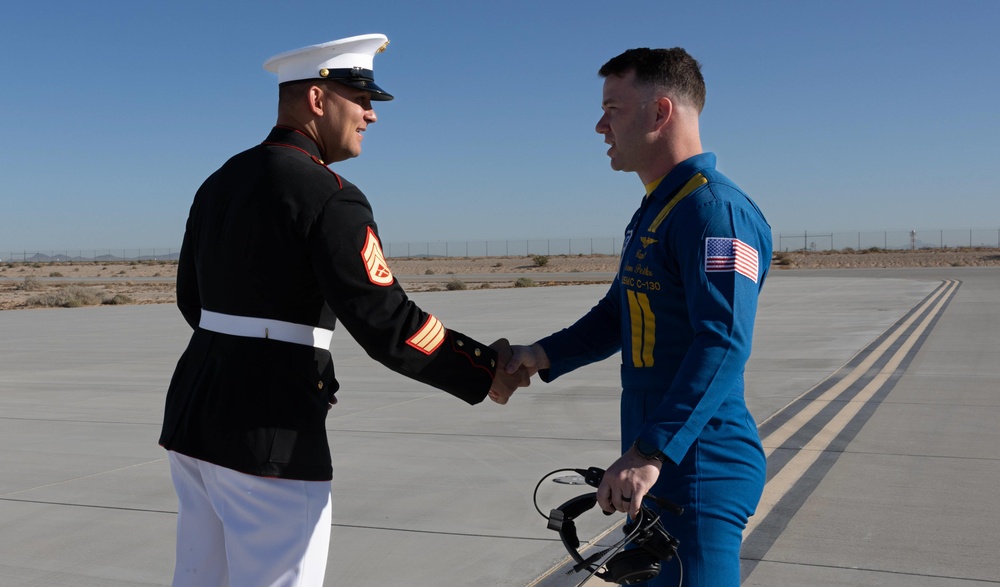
506, 248
485, 248
888, 240
809, 241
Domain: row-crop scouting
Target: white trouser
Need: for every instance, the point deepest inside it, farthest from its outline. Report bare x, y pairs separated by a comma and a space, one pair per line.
247, 531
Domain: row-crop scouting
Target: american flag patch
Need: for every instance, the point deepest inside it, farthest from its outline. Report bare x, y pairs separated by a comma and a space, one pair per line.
731, 254
429, 337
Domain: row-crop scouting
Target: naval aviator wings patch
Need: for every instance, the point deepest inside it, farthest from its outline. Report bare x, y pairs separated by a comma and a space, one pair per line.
375, 264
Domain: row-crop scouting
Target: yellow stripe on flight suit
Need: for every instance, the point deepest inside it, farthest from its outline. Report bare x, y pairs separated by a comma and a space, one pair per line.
643, 321
643, 328
694, 183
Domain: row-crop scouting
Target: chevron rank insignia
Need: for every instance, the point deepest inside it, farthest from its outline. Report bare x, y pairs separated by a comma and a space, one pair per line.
378, 269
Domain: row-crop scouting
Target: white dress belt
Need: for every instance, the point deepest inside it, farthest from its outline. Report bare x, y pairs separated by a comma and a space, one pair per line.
266, 328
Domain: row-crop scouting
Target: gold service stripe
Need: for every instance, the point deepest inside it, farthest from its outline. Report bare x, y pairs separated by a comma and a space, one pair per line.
429, 337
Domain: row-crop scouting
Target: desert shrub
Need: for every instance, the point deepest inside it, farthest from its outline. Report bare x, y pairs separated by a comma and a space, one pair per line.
525, 282
71, 297
782, 258
55, 274
30, 283
484, 285
429, 272
117, 300
455, 285
540, 260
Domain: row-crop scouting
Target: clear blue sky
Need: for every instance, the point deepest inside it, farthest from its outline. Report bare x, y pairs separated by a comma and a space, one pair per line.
835, 116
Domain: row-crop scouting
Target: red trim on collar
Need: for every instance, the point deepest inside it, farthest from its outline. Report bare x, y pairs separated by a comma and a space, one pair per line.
281, 126
315, 159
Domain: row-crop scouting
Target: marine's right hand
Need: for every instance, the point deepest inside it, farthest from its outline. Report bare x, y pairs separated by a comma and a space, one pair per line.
506, 381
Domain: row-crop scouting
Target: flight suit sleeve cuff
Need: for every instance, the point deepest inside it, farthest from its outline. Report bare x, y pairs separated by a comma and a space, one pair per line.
652, 442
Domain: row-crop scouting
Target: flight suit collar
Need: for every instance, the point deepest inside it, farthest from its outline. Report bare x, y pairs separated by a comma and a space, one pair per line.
289, 136
681, 173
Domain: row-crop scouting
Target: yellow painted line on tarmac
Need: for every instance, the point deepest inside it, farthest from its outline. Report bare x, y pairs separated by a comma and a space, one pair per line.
782, 483
788, 429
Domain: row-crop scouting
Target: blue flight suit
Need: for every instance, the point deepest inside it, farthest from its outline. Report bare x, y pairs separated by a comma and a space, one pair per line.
681, 309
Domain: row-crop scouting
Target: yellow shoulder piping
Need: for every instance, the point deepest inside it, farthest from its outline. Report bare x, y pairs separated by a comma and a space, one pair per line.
694, 183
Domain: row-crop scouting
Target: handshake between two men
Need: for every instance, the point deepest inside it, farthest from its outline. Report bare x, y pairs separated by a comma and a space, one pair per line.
515, 367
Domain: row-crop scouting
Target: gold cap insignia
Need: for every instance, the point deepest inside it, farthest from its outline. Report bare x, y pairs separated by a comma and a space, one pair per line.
382, 48
324, 72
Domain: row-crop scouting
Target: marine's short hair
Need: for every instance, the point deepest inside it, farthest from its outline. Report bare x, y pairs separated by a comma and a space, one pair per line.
291, 92
672, 70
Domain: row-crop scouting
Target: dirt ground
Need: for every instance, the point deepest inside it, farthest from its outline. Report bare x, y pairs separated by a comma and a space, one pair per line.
34, 285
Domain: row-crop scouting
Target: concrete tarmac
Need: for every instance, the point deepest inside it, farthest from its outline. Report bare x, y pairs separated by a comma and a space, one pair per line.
876, 393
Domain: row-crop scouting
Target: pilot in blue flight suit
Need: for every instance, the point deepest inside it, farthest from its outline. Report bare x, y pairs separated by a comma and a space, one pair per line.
681, 310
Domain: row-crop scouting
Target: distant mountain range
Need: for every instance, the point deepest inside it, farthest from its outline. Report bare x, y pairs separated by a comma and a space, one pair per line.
66, 258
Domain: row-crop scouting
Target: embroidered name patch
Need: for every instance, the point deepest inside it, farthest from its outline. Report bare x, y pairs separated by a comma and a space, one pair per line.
429, 337
378, 269
730, 254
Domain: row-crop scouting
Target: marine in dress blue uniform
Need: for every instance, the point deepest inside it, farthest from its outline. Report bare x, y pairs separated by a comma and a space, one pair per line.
277, 250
